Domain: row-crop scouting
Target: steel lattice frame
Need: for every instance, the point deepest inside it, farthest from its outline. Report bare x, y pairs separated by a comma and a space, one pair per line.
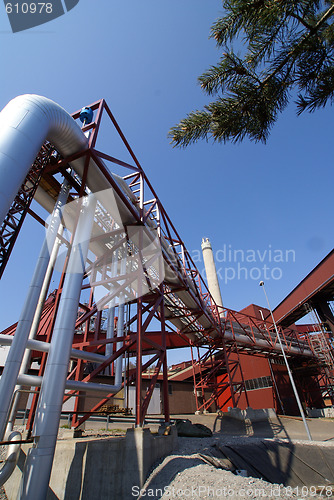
12, 224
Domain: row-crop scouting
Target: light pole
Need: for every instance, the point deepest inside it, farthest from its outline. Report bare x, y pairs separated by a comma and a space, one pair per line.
287, 366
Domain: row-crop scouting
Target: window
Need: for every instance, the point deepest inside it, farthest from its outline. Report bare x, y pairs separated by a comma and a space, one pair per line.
258, 383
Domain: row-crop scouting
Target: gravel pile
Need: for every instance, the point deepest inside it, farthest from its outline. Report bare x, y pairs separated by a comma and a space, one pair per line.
184, 475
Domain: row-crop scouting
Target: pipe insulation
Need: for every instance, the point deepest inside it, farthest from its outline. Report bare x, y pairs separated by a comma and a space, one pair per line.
16, 352
25, 124
26, 362
40, 346
71, 385
12, 457
37, 470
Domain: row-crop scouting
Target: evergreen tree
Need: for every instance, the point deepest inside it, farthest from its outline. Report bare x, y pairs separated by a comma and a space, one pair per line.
286, 45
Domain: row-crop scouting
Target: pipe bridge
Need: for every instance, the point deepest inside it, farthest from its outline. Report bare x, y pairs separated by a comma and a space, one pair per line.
128, 287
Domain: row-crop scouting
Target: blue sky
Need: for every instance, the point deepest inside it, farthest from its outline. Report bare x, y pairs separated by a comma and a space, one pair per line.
144, 59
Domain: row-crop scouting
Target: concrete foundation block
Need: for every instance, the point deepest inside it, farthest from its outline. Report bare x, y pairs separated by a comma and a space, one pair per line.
251, 415
321, 412
99, 468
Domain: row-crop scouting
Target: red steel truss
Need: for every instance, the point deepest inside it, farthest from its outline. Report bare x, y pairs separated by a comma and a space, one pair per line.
217, 372
12, 224
178, 313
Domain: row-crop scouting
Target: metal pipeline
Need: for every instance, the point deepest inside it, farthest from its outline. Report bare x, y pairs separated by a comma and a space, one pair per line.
38, 345
12, 457
120, 322
38, 464
25, 123
111, 314
71, 385
16, 352
34, 327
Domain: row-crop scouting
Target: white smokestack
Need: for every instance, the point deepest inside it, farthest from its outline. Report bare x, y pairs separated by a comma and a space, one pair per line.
211, 273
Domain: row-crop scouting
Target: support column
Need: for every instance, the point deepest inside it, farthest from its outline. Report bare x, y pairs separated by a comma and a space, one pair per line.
139, 422
38, 464
16, 352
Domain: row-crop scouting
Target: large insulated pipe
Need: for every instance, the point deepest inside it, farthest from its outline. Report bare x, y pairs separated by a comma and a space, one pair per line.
12, 457
211, 274
71, 385
111, 313
120, 322
26, 362
40, 346
16, 352
25, 123
37, 470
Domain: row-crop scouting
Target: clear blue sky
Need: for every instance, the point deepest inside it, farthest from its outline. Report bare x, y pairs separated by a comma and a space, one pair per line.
144, 59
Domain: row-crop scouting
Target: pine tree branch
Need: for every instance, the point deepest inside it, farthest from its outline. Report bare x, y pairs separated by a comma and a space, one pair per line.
297, 47
290, 44
302, 21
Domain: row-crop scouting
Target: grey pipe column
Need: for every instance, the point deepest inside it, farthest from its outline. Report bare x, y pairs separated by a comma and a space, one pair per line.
111, 314
34, 328
16, 352
37, 470
120, 322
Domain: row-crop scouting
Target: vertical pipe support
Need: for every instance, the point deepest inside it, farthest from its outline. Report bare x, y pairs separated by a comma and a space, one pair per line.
16, 352
37, 470
34, 328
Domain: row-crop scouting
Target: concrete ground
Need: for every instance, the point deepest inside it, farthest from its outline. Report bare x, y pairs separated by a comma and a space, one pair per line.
282, 427
275, 449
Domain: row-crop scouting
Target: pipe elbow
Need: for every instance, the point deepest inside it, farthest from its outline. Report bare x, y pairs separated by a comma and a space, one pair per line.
12, 457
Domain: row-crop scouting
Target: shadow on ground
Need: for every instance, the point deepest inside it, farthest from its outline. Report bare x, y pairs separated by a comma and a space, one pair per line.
268, 428
283, 462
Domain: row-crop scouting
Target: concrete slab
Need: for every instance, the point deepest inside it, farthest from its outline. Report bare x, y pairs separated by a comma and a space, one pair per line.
88, 468
283, 462
279, 427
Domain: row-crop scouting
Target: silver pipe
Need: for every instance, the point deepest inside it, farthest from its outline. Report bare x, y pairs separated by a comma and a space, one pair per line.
16, 352
70, 385
294, 388
38, 345
34, 327
25, 123
12, 457
37, 470
111, 313
110, 329
120, 322
45, 288
261, 343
